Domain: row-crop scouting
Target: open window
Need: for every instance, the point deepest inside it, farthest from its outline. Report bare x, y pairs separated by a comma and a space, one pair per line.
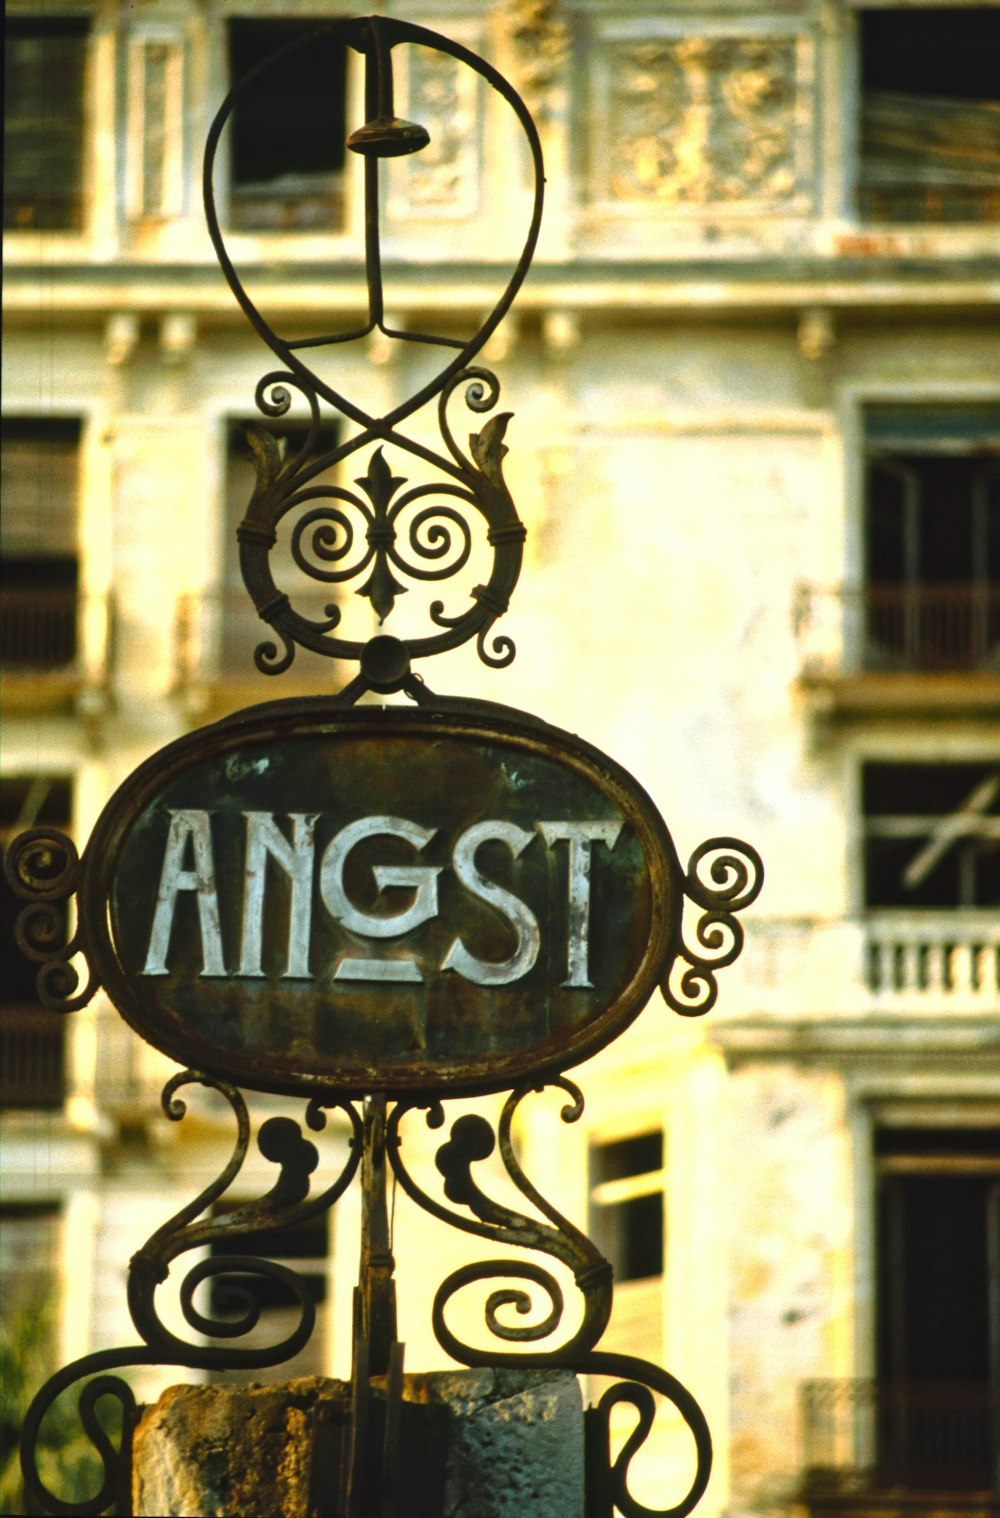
32, 1039
627, 1225
44, 120
938, 1344
932, 537
932, 835
39, 567
288, 131
930, 113
627, 1204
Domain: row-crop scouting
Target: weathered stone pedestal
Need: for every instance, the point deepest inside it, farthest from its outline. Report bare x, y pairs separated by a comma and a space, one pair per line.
473, 1444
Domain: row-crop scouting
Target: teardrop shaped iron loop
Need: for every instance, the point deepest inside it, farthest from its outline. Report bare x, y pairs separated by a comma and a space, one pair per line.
365, 39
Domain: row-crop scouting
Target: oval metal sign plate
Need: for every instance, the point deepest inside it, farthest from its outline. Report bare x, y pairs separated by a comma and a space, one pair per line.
417, 900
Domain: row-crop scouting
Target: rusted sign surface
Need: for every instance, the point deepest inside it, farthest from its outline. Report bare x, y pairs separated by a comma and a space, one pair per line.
304, 897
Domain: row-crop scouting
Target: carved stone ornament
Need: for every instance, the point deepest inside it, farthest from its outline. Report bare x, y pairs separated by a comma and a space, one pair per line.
541, 39
693, 120
443, 177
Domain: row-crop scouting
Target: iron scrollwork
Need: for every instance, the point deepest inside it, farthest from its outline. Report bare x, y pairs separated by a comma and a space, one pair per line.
436, 517
471, 1140
287, 1204
42, 867
381, 534
735, 874
328, 521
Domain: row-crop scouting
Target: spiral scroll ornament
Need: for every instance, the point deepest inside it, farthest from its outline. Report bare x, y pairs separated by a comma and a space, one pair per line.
384, 532
724, 876
472, 1139
289, 1202
43, 868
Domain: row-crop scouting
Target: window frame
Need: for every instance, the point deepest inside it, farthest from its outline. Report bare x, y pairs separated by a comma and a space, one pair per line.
851, 107
70, 237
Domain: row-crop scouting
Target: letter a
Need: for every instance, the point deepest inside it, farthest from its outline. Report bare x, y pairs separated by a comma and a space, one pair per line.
174, 879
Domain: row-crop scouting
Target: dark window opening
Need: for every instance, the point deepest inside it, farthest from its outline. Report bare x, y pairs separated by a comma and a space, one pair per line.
932, 538
288, 130
304, 1249
29, 1268
932, 835
938, 1306
39, 562
44, 63
32, 1039
627, 1205
930, 116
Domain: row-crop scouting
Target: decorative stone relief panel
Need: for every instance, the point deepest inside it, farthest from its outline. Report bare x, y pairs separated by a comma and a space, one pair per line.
443, 178
540, 34
697, 121
154, 185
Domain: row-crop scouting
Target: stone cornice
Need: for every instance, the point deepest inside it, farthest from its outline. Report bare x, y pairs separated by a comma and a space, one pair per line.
708, 288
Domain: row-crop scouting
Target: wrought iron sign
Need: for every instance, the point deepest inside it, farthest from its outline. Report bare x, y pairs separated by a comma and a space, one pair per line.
377, 908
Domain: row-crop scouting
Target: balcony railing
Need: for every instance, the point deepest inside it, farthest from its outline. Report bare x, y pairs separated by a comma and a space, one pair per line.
942, 957
944, 963
53, 636
32, 1056
869, 1436
903, 628
38, 628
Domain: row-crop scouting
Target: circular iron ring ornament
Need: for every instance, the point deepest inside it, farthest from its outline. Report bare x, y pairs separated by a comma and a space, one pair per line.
448, 950
474, 477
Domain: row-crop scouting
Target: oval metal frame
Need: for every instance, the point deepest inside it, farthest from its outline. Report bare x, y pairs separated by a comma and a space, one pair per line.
476, 721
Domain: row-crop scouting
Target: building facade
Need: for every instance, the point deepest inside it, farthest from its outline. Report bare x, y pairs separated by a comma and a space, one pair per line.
756, 381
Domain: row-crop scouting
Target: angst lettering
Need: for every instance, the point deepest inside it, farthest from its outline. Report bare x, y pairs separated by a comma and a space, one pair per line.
189, 869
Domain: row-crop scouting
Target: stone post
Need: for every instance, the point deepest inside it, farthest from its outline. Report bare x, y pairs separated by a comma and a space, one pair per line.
473, 1444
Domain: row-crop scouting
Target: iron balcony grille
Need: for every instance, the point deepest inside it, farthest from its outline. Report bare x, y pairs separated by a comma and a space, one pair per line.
869, 1436
32, 1056
52, 628
38, 628
906, 628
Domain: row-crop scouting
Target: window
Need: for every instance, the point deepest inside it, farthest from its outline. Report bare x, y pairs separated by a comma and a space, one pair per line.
38, 542
626, 1224
288, 132
44, 122
932, 835
930, 114
627, 1205
938, 1335
305, 1250
32, 1039
932, 537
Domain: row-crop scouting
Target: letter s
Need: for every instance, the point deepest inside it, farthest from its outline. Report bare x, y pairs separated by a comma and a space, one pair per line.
519, 915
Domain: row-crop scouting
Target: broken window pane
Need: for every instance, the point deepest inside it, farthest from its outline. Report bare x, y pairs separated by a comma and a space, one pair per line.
932, 835
930, 114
